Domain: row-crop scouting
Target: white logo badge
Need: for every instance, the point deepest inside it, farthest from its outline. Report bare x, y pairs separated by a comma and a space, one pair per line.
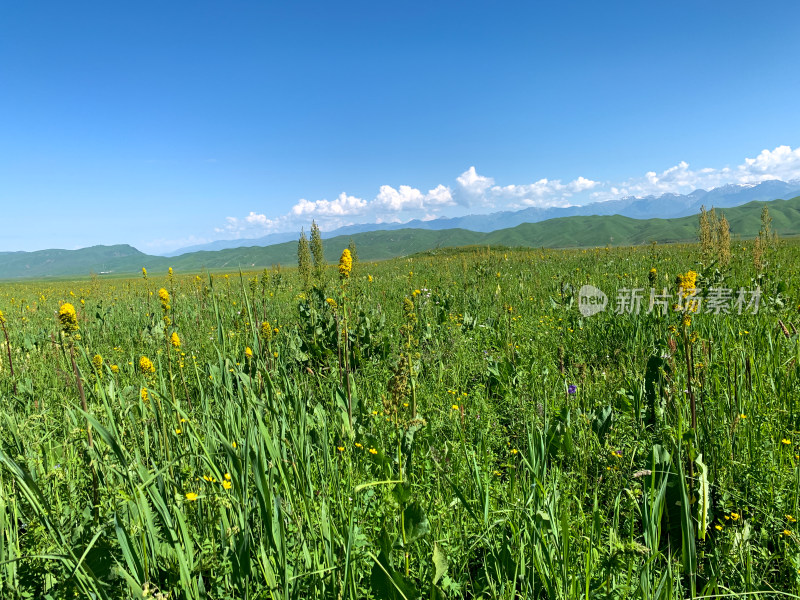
591, 300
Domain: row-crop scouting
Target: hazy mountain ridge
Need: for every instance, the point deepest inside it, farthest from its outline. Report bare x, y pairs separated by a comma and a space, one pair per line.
665, 206
562, 232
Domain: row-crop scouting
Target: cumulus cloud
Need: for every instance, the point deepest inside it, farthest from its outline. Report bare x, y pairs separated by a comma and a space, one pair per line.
782, 163
473, 184
344, 205
253, 223
473, 191
544, 192
406, 198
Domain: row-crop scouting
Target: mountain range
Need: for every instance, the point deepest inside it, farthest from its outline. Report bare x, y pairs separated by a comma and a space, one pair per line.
561, 232
665, 206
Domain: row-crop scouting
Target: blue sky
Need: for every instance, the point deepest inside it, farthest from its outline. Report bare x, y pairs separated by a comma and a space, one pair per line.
165, 124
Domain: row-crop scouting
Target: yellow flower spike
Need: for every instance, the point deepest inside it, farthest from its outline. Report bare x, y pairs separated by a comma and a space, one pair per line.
146, 365
248, 352
175, 340
345, 264
68, 318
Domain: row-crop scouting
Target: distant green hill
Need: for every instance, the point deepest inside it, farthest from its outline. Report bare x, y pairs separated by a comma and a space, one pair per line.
565, 232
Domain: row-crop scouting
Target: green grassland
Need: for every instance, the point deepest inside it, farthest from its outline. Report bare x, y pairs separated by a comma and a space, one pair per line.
566, 232
447, 425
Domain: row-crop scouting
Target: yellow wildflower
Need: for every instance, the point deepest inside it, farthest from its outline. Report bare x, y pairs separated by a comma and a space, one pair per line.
191, 496
175, 340
2, 318
68, 318
373, 451
248, 352
114, 369
687, 281
144, 272
163, 295
146, 365
227, 485
97, 361
143, 394
345, 264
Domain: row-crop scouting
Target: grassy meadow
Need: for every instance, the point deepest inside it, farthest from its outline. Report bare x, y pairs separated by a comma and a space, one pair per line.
443, 426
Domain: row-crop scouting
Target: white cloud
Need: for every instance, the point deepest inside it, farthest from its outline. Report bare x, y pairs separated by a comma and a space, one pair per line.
343, 205
439, 196
406, 198
480, 189
259, 220
472, 183
474, 191
581, 184
782, 163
